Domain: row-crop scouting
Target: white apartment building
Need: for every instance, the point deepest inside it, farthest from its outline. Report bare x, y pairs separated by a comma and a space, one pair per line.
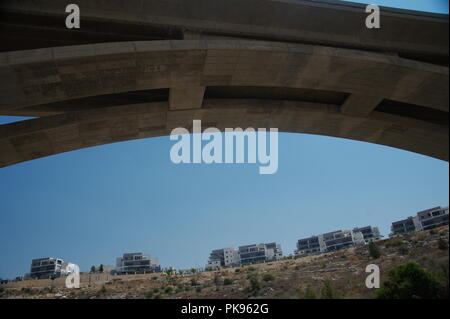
225, 257
50, 267
252, 254
337, 240
423, 220
369, 233
136, 263
249, 254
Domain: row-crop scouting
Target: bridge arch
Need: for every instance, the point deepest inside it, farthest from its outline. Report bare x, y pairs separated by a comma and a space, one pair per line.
303, 88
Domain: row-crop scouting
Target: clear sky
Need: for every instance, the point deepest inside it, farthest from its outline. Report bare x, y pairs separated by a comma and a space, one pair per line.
92, 205
437, 6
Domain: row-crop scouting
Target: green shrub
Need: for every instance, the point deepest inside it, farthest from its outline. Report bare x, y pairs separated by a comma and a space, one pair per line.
268, 277
442, 244
410, 281
255, 285
374, 251
328, 291
227, 281
217, 280
168, 290
198, 289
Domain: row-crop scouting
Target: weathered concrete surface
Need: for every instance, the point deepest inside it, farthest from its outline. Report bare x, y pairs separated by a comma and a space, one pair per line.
324, 22
324, 72
186, 97
41, 76
50, 135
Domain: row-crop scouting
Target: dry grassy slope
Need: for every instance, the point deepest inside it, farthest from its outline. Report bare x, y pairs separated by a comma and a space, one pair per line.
290, 277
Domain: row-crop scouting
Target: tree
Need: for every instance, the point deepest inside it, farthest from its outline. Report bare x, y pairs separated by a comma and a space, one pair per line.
309, 293
93, 269
374, 251
328, 291
100, 269
410, 281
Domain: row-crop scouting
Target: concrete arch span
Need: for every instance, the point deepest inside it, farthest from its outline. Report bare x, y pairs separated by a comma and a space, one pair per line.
36, 138
360, 95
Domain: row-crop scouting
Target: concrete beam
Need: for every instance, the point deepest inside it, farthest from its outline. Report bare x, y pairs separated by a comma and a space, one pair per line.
360, 104
31, 139
186, 98
51, 75
325, 22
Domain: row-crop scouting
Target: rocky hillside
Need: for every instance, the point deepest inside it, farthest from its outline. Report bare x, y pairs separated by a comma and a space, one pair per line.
342, 273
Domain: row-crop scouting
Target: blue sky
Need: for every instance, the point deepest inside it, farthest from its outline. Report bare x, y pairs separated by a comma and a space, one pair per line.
437, 6
92, 205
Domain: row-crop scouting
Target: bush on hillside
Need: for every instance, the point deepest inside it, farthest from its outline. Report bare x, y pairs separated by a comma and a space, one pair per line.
410, 281
374, 251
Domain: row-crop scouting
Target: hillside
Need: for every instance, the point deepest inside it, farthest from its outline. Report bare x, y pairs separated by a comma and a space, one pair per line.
288, 278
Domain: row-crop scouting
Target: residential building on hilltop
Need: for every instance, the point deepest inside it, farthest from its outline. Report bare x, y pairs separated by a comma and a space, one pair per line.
423, 220
136, 263
49, 267
252, 254
369, 233
337, 240
224, 257
249, 254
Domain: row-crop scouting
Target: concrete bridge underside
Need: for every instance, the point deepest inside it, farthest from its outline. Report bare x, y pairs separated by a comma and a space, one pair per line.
92, 94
